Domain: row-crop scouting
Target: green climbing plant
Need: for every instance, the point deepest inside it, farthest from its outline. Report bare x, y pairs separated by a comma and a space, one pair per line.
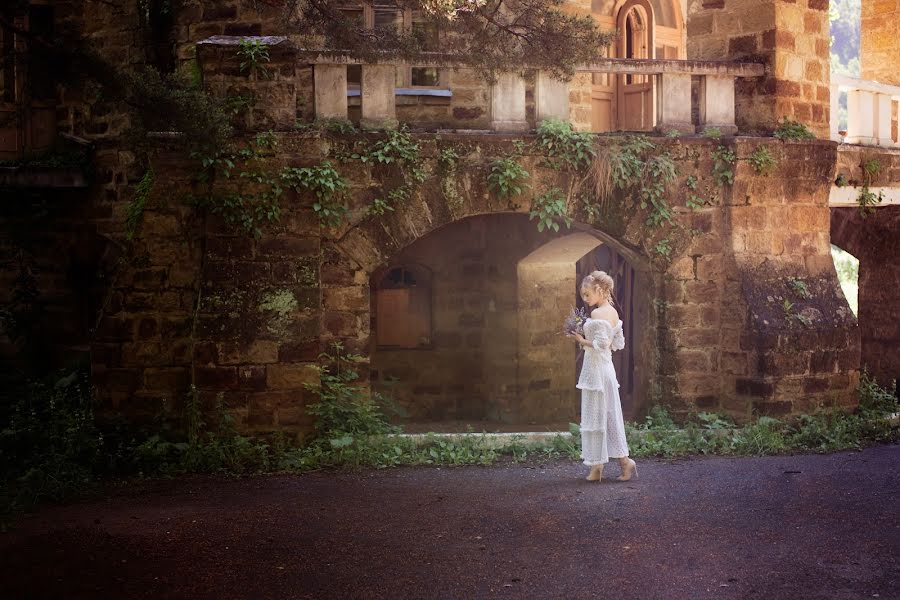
549, 209
762, 160
868, 199
326, 184
507, 178
253, 54
135, 208
789, 129
724, 160
563, 147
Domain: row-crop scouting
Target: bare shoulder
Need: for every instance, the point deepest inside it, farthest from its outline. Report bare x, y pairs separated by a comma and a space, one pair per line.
607, 313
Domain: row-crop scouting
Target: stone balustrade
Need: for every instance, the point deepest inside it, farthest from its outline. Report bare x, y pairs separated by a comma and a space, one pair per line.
508, 101
508, 92
871, 110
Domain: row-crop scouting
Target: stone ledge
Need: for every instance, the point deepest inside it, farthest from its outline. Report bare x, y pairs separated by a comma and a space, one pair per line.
20, 177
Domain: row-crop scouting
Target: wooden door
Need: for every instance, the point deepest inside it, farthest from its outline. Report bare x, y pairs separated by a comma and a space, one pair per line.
636, 100
603, 101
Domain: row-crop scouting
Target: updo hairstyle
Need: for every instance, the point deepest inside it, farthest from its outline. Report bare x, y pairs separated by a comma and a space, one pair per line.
599, 281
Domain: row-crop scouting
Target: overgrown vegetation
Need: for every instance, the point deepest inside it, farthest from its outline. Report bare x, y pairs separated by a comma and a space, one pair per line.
789, 129
52, 448
763, 162
135, 209
724, 160
563, 147
507, 178
326, 184
868, 199
549, 208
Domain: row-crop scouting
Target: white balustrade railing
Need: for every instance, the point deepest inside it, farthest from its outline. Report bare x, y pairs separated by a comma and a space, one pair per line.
870, 109
508, 106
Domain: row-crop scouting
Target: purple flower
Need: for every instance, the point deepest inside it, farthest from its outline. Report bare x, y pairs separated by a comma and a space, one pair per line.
574, 323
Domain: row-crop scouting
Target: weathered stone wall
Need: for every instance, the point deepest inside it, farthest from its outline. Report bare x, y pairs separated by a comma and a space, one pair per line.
721, 337
791, 37
879, 45
62, 237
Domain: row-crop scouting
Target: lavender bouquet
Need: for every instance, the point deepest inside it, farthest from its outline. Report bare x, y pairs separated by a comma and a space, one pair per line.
574, 323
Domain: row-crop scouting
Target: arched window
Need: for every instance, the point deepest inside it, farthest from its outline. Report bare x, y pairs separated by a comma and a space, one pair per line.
403, 307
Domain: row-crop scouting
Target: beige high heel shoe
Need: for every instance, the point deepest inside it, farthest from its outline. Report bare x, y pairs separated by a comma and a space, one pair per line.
596, 473
632, 472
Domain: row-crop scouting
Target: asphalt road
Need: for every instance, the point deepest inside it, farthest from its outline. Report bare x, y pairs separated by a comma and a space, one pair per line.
789, 527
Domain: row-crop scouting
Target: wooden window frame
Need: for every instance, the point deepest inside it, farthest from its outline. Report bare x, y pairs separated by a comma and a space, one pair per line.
404, 70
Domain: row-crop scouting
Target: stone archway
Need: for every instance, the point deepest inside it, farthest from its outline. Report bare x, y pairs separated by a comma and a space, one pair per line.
498, 291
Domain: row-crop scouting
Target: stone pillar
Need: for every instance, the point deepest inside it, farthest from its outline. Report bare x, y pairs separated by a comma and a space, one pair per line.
675, 103
508, 103
551, 98
379, 109
791, 37
860, 117
789, 341
717, 103
330, 82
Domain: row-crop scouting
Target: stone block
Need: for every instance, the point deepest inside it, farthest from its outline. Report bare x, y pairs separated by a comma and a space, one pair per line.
287, 376
174, 379
216, 378
256, 352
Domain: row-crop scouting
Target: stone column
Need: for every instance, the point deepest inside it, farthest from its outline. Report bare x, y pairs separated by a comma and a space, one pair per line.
789, 341
860, 117
717, 103
330, 83
879, 44
882, 110
379, 108
551, 98
879, 47
675, 103
508, 103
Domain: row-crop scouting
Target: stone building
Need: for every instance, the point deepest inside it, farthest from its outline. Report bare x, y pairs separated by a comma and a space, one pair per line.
453, 296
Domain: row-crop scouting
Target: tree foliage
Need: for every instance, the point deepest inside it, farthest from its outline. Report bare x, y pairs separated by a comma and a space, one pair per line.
488, 35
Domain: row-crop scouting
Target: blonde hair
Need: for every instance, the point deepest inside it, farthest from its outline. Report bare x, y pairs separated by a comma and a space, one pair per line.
599, 281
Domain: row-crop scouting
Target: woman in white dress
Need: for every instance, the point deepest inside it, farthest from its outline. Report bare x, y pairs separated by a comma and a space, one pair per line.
602, 426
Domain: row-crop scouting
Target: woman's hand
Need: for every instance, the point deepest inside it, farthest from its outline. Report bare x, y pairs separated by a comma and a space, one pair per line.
578, 337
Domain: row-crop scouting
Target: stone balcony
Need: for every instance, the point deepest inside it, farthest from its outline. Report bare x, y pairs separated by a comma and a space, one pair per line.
683, 95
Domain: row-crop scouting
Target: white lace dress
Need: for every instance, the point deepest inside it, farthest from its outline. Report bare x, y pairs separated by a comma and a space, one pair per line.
602, 426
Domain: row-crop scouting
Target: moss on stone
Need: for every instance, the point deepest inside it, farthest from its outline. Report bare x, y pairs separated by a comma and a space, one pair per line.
282, 302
